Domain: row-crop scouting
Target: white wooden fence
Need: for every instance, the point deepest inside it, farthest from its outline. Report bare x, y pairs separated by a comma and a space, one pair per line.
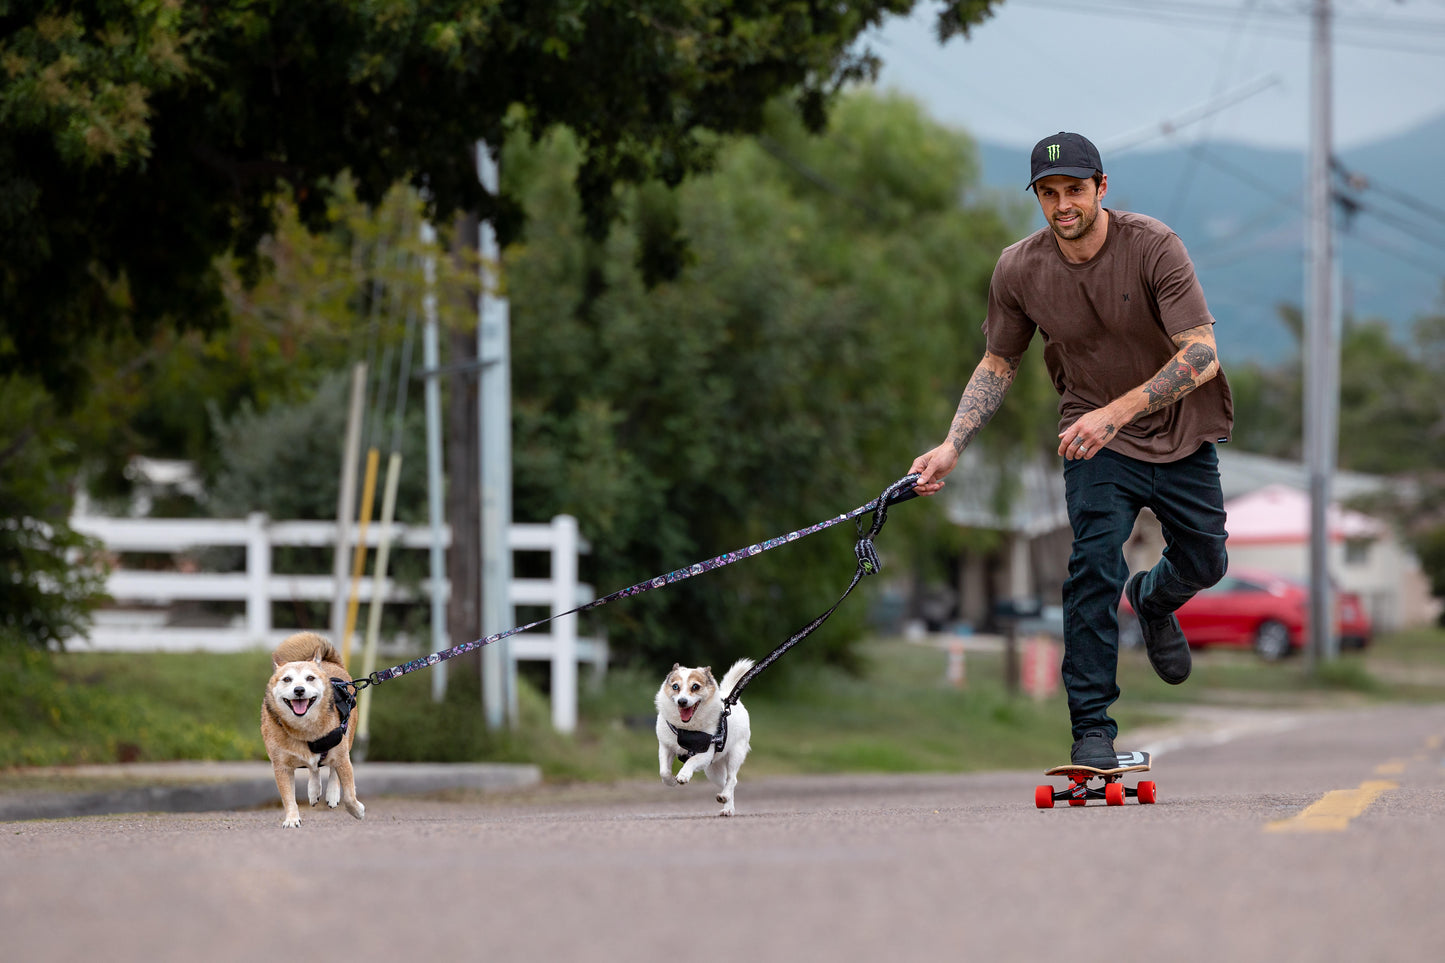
139, 619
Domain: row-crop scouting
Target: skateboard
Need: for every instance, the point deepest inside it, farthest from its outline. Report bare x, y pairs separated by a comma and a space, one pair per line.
1113, 792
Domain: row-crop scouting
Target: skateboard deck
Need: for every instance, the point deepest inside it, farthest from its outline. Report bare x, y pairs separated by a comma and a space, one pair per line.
1112, 790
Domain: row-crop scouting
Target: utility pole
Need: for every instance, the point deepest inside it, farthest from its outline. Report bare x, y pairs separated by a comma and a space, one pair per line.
431, 361
1321, 414
494, 412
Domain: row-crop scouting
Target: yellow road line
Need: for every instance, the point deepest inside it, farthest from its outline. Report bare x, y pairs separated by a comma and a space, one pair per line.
1392, 768
1332, 813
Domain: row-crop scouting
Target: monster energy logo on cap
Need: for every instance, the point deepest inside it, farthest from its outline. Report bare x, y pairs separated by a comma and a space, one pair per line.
1069, 154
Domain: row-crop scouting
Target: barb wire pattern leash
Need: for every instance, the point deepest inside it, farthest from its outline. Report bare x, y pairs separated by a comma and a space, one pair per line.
900, 490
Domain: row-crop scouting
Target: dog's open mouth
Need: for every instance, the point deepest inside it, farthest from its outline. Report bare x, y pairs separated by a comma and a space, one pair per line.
300, 706
686, 712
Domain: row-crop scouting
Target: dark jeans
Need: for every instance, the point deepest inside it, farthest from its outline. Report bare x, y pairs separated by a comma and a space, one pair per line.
1104, 496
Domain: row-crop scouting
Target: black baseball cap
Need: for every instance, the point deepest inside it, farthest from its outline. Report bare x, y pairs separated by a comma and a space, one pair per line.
1069, 154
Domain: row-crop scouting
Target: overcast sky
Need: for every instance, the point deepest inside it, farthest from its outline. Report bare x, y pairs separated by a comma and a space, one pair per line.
1116, 70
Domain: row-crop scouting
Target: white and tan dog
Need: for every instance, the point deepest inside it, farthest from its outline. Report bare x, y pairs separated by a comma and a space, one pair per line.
302, 725
689, 704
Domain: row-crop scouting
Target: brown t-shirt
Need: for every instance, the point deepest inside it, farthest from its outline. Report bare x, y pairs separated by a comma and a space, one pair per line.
1106, 326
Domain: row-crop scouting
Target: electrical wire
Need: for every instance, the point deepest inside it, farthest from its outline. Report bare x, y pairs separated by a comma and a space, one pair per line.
1226, 67
1293, 24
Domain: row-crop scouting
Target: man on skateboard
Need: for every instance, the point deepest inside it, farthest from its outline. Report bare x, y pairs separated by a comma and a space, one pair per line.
1129, 344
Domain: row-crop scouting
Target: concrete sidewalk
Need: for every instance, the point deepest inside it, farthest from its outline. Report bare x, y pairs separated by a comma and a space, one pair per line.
184, 787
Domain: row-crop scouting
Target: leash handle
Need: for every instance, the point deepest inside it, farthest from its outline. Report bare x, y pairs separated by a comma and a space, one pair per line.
902, 489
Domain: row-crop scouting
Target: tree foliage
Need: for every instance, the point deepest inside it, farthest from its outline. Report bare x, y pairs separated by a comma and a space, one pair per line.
145, 144
1391, 419
52, 577
142, 139
816, 340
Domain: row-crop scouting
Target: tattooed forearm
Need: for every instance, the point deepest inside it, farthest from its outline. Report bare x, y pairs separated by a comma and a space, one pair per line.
981, 399
1195, 364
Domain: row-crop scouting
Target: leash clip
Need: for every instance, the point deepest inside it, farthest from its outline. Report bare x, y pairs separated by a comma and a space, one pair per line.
867, 556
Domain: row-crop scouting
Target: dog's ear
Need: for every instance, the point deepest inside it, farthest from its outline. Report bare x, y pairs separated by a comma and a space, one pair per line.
319, 656
276, 660
707, 669
676, 666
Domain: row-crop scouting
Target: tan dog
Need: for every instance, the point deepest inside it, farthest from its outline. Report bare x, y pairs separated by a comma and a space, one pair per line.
302, 725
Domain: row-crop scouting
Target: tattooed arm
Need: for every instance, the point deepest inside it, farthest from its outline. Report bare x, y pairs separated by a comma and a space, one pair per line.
1194, 363
981, 399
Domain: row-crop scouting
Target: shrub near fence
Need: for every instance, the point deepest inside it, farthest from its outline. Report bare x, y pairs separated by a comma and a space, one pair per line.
139, 620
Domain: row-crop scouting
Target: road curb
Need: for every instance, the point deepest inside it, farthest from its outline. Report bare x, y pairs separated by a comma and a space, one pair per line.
187, 787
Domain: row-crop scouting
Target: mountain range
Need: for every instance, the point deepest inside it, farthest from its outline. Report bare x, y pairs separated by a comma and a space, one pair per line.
1240, 211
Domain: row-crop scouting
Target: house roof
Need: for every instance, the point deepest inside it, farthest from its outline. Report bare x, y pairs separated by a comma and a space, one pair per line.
1280, 514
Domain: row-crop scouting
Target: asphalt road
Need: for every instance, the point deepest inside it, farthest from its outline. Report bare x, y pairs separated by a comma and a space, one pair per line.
1307, 837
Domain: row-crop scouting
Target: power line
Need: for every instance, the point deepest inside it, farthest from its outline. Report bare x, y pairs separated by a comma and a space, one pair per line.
1167, 128
1407, 257
1351, 31
1362, 181
1398, 223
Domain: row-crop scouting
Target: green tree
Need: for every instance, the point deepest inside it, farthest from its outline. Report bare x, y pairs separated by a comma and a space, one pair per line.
142, 139
1391, 420
53, 577
815, 340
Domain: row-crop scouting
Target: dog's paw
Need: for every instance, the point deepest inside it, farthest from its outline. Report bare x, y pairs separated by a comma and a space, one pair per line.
683, 777
668, 779
726, 810
724, 798
356, 809
333, 793
292, 821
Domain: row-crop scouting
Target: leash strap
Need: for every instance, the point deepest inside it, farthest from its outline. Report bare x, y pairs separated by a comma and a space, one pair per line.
868, 564
899, 491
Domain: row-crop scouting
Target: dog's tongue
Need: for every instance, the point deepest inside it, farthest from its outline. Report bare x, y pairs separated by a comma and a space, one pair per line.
687, 713
299, 706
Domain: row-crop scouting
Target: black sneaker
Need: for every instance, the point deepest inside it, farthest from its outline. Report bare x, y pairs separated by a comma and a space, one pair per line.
1164, 640
1096, 749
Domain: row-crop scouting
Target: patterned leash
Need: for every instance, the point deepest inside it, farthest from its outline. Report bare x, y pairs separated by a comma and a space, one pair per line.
868, 563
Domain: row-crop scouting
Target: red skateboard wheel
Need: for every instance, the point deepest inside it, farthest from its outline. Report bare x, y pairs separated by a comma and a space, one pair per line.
1148, 792
1044, 797
1114, 794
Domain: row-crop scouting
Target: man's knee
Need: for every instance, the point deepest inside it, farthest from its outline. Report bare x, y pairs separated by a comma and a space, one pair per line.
1213, 562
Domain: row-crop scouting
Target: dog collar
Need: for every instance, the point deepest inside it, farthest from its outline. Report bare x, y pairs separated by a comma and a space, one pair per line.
697, 742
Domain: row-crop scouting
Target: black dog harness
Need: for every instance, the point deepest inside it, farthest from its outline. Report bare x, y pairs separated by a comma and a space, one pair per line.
696, 742
345, 702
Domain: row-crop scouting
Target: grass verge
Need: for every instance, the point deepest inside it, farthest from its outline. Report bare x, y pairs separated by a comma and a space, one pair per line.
897, 715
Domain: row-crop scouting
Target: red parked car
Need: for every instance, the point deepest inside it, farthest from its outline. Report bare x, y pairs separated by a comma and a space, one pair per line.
1256, 609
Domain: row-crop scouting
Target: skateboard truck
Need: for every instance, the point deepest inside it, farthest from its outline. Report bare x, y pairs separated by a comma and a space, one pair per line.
1112, 790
